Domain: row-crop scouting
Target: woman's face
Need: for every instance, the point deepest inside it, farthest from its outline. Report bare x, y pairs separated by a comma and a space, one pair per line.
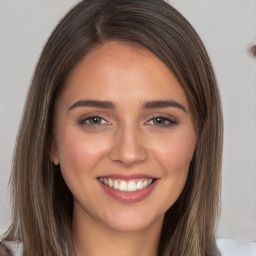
123, 137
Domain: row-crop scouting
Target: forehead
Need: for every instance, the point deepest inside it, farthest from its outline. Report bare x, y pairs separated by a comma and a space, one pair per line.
122, 71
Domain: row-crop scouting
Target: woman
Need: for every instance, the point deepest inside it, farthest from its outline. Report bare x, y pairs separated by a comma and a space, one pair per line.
119, 150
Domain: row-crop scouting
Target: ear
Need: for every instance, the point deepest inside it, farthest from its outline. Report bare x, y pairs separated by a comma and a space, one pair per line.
54, 153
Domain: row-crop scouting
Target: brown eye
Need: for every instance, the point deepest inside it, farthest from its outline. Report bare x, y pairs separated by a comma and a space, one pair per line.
93, 121
161, 121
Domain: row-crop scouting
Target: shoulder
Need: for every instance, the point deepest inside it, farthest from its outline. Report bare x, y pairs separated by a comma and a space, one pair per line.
10, 248
231, 247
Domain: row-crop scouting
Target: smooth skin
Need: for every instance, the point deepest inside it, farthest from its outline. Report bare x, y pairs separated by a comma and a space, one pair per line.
127, 135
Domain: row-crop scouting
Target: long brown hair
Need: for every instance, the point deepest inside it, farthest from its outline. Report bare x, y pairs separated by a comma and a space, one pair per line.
42, 203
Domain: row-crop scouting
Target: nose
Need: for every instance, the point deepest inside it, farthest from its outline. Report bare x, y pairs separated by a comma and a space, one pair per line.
128, 147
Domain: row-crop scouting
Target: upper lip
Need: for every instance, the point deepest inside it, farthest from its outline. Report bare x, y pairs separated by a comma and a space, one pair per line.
127, 177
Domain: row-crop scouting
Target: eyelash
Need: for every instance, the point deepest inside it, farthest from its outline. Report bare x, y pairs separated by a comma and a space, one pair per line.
167, 121
156, 121
86, 121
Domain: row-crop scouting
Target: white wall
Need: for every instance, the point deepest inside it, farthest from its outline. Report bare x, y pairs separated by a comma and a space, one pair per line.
227, 27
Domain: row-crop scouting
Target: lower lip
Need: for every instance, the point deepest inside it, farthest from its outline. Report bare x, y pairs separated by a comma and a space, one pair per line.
129, 197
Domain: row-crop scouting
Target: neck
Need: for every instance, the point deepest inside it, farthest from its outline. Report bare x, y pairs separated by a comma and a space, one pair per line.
92, 238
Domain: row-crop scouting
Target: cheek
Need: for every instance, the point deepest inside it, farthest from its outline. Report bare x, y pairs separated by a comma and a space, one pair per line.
79, 154
174, 155
176, 152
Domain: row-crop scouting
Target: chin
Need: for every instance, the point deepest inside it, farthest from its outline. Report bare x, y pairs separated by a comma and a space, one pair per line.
133, 222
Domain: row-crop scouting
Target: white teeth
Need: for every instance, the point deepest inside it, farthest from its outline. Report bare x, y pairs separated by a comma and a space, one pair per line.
116, 185
150, 181
132, 186
110, 183
124, 185
139, 185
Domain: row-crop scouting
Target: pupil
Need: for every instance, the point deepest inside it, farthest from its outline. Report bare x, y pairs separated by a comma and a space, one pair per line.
95, 120
159, 120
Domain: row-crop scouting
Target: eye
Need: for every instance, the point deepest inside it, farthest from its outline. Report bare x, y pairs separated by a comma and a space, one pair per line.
93, 121
161, 121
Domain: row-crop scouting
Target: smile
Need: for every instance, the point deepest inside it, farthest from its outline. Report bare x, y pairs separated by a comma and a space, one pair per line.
127, 185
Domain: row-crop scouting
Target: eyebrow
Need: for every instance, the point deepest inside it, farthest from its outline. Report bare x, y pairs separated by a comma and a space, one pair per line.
93, 103
164, 104
110, 105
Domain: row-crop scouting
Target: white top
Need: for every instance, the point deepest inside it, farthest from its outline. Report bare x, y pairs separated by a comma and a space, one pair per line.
231, 247
227, 247
14, 248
